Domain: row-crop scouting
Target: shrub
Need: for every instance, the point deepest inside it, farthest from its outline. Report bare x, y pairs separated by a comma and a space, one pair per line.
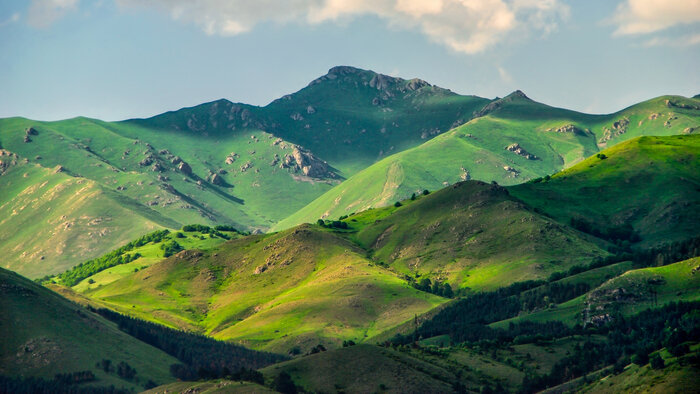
397, 204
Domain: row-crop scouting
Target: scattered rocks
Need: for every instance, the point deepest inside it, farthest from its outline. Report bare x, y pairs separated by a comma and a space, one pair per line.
296, 116
310, 110
27, 139
147, 161
568, 128
31, 131
518, 150
245, 167
231, 158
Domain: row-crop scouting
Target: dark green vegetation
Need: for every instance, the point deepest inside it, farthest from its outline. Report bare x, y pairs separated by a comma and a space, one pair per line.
45, 335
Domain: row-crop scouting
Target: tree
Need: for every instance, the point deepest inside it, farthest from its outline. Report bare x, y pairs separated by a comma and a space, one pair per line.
397, 204
284, 384
413, 196
640, 357
656, 361
426, 192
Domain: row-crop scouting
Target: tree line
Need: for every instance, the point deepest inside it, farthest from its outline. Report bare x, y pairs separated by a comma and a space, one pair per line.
202, 357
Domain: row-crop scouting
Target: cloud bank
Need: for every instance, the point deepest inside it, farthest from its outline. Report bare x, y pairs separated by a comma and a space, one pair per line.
466, 26
649, 16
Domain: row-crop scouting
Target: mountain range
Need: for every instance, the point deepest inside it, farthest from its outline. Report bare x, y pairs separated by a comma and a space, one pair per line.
364, 234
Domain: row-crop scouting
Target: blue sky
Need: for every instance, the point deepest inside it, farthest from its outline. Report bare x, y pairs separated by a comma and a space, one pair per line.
117, 59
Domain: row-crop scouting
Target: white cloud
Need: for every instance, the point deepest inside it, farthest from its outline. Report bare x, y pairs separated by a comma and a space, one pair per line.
42, 13
467, 26
648, 16
682, 41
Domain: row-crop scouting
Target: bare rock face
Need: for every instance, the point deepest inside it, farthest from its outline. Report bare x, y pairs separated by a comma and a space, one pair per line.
618, 128
7, 159
301, 160
518, 150
184, 168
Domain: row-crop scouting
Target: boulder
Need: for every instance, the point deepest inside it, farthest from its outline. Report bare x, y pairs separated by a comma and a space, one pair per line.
184, 168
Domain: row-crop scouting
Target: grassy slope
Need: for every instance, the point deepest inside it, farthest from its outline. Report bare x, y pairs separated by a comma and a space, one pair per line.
627, 292
50, 220
678, 376
651, 183
217, 386
364, 368
317, 287
478, 148
151, 253
473, 235
44, 334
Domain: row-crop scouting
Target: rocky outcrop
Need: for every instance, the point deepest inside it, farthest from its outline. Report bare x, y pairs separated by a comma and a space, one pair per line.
518, 150
217, 179
618, 128
303, 161
568, 128
184, 168
31, 131
7, 159
231, 158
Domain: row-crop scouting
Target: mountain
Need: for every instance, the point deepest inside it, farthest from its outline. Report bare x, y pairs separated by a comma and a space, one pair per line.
216, 163
45, 335
513, 140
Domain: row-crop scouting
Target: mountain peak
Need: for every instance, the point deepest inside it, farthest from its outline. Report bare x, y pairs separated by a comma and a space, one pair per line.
516, 94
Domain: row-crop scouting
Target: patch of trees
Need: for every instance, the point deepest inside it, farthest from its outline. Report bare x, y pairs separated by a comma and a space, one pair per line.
215, 231
627, 339
170, 248
74, 377
333, 224
442, 289
202, 357
62, 384
466, 320
111, 259
616, 234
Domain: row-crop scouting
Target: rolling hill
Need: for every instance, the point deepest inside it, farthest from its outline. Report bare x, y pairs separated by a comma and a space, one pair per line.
296, 288
45, 335
512, 140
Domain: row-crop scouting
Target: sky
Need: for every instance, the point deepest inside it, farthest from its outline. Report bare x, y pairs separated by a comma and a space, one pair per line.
120, 59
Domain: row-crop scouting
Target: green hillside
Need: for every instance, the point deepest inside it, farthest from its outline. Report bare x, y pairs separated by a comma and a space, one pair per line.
515, 140
646, 190
210, 164
44, 335
474, 235
297, 288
